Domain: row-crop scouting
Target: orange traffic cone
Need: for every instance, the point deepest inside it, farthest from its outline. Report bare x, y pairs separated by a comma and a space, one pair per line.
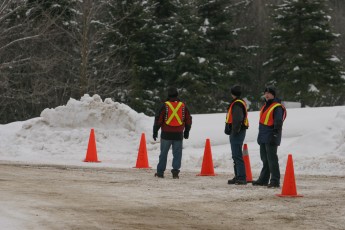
207, 162
91, 154
246, 160
142, 160
289, 186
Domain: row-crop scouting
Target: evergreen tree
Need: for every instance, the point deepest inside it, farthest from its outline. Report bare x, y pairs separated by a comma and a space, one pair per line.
182, 43
223, 58
303, 66
133, 38
201, 60
182, 63
148, 40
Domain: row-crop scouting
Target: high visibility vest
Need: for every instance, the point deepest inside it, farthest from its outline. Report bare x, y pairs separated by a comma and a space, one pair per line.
229, 114
174, 113
266, 118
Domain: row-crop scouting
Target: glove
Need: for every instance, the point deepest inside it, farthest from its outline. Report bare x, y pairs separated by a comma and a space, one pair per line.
155, 135
185, 135
227, 130
274, 138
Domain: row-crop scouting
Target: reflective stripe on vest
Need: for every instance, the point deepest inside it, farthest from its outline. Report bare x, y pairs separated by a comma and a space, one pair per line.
229, 115
266, 118
174, 115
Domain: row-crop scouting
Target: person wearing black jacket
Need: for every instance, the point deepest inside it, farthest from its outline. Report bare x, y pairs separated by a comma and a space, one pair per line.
272, 116
174, 119
235, 126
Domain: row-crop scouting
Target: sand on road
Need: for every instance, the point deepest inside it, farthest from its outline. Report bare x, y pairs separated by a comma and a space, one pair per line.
68, 197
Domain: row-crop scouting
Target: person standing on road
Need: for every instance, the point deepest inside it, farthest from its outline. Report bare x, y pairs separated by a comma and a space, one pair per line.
272, 116
236, 124
175, 120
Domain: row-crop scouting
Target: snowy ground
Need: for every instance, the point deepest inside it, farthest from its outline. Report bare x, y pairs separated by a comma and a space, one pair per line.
60, 197
314, 136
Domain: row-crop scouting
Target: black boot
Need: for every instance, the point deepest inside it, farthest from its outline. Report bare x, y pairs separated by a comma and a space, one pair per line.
159, 175
273, 185
232, 181
175, 176
241, 182
175, 173
259, 183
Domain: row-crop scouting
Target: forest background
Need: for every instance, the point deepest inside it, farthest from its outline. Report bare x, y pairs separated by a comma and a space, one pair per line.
133, 50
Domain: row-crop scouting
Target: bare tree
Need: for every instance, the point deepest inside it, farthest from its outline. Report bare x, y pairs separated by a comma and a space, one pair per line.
28, 59
49, 53
98, 62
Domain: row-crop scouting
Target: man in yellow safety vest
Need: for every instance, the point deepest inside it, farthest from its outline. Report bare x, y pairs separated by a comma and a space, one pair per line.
236, 124
175, 120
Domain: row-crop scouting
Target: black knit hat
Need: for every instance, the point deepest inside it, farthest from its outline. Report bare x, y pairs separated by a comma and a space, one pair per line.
172, 92
236, 90
271, 89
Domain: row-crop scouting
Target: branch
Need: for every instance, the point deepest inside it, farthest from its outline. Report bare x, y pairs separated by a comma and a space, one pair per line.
3, 7
19, 40
6, 64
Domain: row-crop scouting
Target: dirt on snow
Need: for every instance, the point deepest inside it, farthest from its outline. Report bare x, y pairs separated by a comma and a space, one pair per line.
68, 197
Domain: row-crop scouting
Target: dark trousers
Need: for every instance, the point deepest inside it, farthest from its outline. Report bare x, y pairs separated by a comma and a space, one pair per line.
236, 143
270, 168
163, 157
239, 168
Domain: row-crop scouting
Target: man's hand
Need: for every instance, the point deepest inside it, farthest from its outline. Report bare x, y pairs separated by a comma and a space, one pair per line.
274, 138
155, 135
227, 129
185, 135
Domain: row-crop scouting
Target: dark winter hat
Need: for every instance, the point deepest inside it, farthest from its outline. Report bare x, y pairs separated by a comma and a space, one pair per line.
236, 90
172, 92
271, 89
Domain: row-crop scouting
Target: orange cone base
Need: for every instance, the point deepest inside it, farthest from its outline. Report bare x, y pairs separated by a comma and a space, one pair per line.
142, 167
281, 195
92, 161
206, 174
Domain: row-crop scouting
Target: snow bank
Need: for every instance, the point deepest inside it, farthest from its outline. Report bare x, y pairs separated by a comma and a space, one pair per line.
93, 112
61, 134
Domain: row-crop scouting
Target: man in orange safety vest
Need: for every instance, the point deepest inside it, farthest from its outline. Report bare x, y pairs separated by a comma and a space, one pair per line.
175, 120
272, 116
